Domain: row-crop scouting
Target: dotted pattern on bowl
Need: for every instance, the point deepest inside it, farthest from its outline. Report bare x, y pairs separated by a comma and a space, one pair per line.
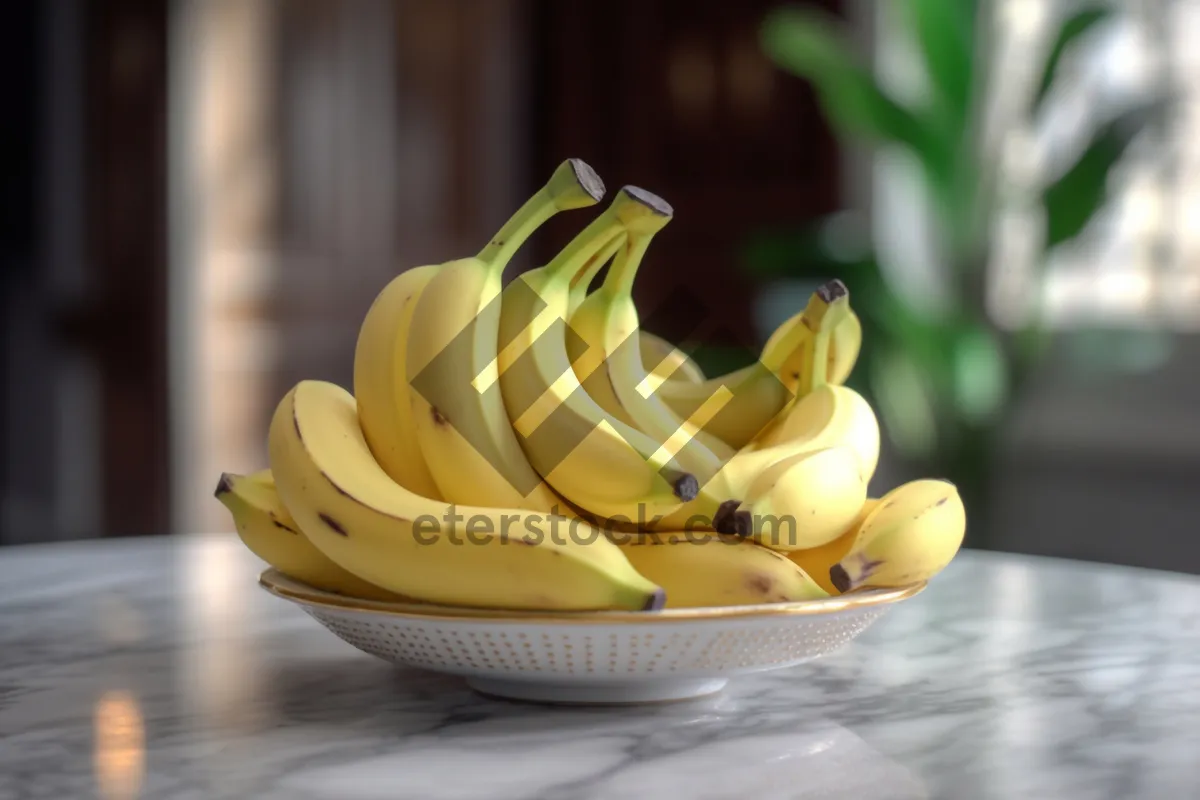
597, 651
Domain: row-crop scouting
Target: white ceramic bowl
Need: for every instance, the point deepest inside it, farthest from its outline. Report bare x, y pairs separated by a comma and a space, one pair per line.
593, 657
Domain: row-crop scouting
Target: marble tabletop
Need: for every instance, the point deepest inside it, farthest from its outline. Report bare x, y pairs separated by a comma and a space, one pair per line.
158, 669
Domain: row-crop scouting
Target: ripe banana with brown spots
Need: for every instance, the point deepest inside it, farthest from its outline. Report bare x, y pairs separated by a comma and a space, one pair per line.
268, 530
712, 570
427, 549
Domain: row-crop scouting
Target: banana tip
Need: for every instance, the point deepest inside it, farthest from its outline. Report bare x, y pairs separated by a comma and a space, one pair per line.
224, 485
650, 200
839, 578
686, 488
657, 601
832, 290
588, 179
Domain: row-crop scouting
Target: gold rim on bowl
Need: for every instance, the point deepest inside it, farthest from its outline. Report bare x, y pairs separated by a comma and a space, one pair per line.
282, 586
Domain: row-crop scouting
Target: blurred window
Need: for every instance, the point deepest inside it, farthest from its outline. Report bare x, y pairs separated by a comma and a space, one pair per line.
1138, 262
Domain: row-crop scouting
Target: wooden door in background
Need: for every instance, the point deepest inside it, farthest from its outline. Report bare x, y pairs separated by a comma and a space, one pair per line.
86, 400
675, 96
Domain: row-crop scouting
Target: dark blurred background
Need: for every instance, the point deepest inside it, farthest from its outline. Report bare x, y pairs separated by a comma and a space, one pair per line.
201, 198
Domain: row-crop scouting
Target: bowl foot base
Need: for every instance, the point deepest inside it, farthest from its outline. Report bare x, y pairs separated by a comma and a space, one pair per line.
573, 693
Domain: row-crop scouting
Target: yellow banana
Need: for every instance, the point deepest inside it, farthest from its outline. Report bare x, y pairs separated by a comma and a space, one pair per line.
381, 382
843, 352
803, 501
712, 570
427, 549
825, 416
824, 312
665, 361
761, 391
607, 325
911, 535
458, 412
816, 561
599, 464
268, 530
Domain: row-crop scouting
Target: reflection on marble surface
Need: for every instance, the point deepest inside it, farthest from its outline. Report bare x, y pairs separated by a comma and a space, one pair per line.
158, 669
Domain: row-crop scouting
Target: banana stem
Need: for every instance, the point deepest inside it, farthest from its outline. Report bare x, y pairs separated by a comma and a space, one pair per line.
820, 360
573, 185
536, 211
596, 242
654, 214
619, 281
586, 275
627, 209
583, 279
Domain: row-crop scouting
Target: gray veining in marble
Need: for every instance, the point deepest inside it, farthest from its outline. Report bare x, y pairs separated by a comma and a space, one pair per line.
158, 669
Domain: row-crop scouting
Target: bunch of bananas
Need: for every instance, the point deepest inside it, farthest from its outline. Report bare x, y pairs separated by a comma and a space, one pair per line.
527, 446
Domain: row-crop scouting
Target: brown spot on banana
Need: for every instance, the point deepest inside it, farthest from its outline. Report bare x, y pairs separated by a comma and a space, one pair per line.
333, 525
761, 584
281, 526
439, 418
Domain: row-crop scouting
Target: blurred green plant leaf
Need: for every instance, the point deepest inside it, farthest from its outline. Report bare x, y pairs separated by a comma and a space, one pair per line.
811, 44
806, 254
945, 30
905, 403
1073, 199
1072, 29
980, 375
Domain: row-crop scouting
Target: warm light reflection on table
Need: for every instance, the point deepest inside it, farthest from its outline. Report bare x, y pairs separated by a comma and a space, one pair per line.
120, 749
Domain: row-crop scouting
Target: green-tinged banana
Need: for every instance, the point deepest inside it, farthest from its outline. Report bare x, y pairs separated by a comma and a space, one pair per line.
665, 361
910, 536
268, 530
458, 412
427, 549
761, 391
712, 570
803, 501
610, 361
381, 382
825, 310
816, 561
598, 463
